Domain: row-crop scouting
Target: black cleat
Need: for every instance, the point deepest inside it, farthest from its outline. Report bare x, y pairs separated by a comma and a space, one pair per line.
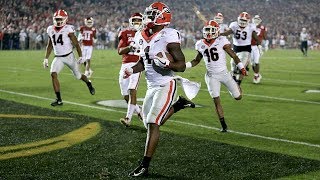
57, 103
139, 172
185, 102
224, 130
91, 88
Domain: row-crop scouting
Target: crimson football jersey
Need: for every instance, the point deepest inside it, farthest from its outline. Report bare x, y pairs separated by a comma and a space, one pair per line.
261, 32
125, 38
88, 33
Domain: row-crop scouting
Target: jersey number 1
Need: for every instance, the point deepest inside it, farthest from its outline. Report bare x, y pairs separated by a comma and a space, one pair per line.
59, 40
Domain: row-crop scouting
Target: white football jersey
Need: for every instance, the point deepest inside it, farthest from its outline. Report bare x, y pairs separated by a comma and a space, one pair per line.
223, 27
61, 42
149, 47
242, 36
213, 54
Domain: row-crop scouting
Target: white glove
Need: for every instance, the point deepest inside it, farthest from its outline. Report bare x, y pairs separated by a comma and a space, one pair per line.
81, 60
45, 63
127, 72
260, 50
188, 65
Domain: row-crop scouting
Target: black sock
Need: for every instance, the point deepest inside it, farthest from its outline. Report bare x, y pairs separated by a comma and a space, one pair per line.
58, 96
88, 83
146, 161
239, 82
177, 106
223, 123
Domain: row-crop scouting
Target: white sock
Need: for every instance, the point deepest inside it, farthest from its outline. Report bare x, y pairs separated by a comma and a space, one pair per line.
130, 110
138, 109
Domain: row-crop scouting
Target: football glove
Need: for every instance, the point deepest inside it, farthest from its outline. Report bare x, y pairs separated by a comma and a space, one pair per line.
162, 62
242, 69
127, 72
45, 63
260, 50
81, 60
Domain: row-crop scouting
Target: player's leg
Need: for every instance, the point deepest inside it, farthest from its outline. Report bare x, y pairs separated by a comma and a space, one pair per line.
88, 58
56, 66
302, 48
255, 60
214, 85
73, 65
162, 99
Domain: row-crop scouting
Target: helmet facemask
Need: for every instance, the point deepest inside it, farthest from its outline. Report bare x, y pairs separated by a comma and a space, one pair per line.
88, 22
256, 20
210, 32
59, 21
135, 23
243, 22
218, 19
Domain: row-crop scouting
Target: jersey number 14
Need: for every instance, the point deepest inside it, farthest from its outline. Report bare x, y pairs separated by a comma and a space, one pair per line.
58, 40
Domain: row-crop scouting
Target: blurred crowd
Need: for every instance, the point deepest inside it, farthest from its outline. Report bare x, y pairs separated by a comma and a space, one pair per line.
23, 23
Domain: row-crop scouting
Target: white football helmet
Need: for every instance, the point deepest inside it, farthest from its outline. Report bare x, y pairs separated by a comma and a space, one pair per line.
135, 21
88, 21
243, 19
218, 18
60, 18
211, 30
256, 20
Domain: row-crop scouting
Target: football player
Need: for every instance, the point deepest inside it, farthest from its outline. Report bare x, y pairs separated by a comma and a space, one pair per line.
243, 31
129, 85
62, 40
212, 49
219, 19
256, 52
158, 104
304, 36
87, 38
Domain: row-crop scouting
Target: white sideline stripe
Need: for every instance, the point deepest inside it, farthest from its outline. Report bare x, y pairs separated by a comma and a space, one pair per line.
181, 122
252, 135
97, 77
277, 98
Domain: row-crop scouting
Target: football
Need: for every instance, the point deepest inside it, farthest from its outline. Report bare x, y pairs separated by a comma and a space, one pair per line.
168, 55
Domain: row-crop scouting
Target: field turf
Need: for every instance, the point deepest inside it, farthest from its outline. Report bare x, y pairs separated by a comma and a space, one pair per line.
274, 129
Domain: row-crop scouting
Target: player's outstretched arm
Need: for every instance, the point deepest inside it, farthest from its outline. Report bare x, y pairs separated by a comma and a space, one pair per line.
227, 32
236, 59
198, 13
195, 61
178, 64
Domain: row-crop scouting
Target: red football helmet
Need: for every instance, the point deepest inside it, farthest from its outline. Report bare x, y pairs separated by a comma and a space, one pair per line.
60, 18
218, 18
156, 14
256, 20
135, 21
211, 30
243, 19
88, 21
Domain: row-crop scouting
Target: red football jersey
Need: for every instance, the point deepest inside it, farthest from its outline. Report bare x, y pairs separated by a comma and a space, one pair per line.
88, 33
261, 32
125, 38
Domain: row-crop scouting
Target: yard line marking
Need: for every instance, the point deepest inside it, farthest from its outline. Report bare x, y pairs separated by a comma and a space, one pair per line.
252, 135
14, 69
190, 124
277, 98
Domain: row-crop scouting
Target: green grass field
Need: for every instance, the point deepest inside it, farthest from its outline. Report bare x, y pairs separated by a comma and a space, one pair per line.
274, 129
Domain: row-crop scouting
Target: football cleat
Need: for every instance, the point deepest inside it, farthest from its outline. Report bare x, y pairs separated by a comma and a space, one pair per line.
139, 172
257, 79
125, 121
91, 88
186, 103
57, 103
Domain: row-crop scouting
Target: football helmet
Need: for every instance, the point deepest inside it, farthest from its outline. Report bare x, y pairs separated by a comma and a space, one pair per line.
157, 13
243, 19
218, 18
60, 18
135, 21
211, 30
256, 20
88, 21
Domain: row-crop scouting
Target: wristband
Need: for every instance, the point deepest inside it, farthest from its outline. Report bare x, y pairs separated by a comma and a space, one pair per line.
240, 65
